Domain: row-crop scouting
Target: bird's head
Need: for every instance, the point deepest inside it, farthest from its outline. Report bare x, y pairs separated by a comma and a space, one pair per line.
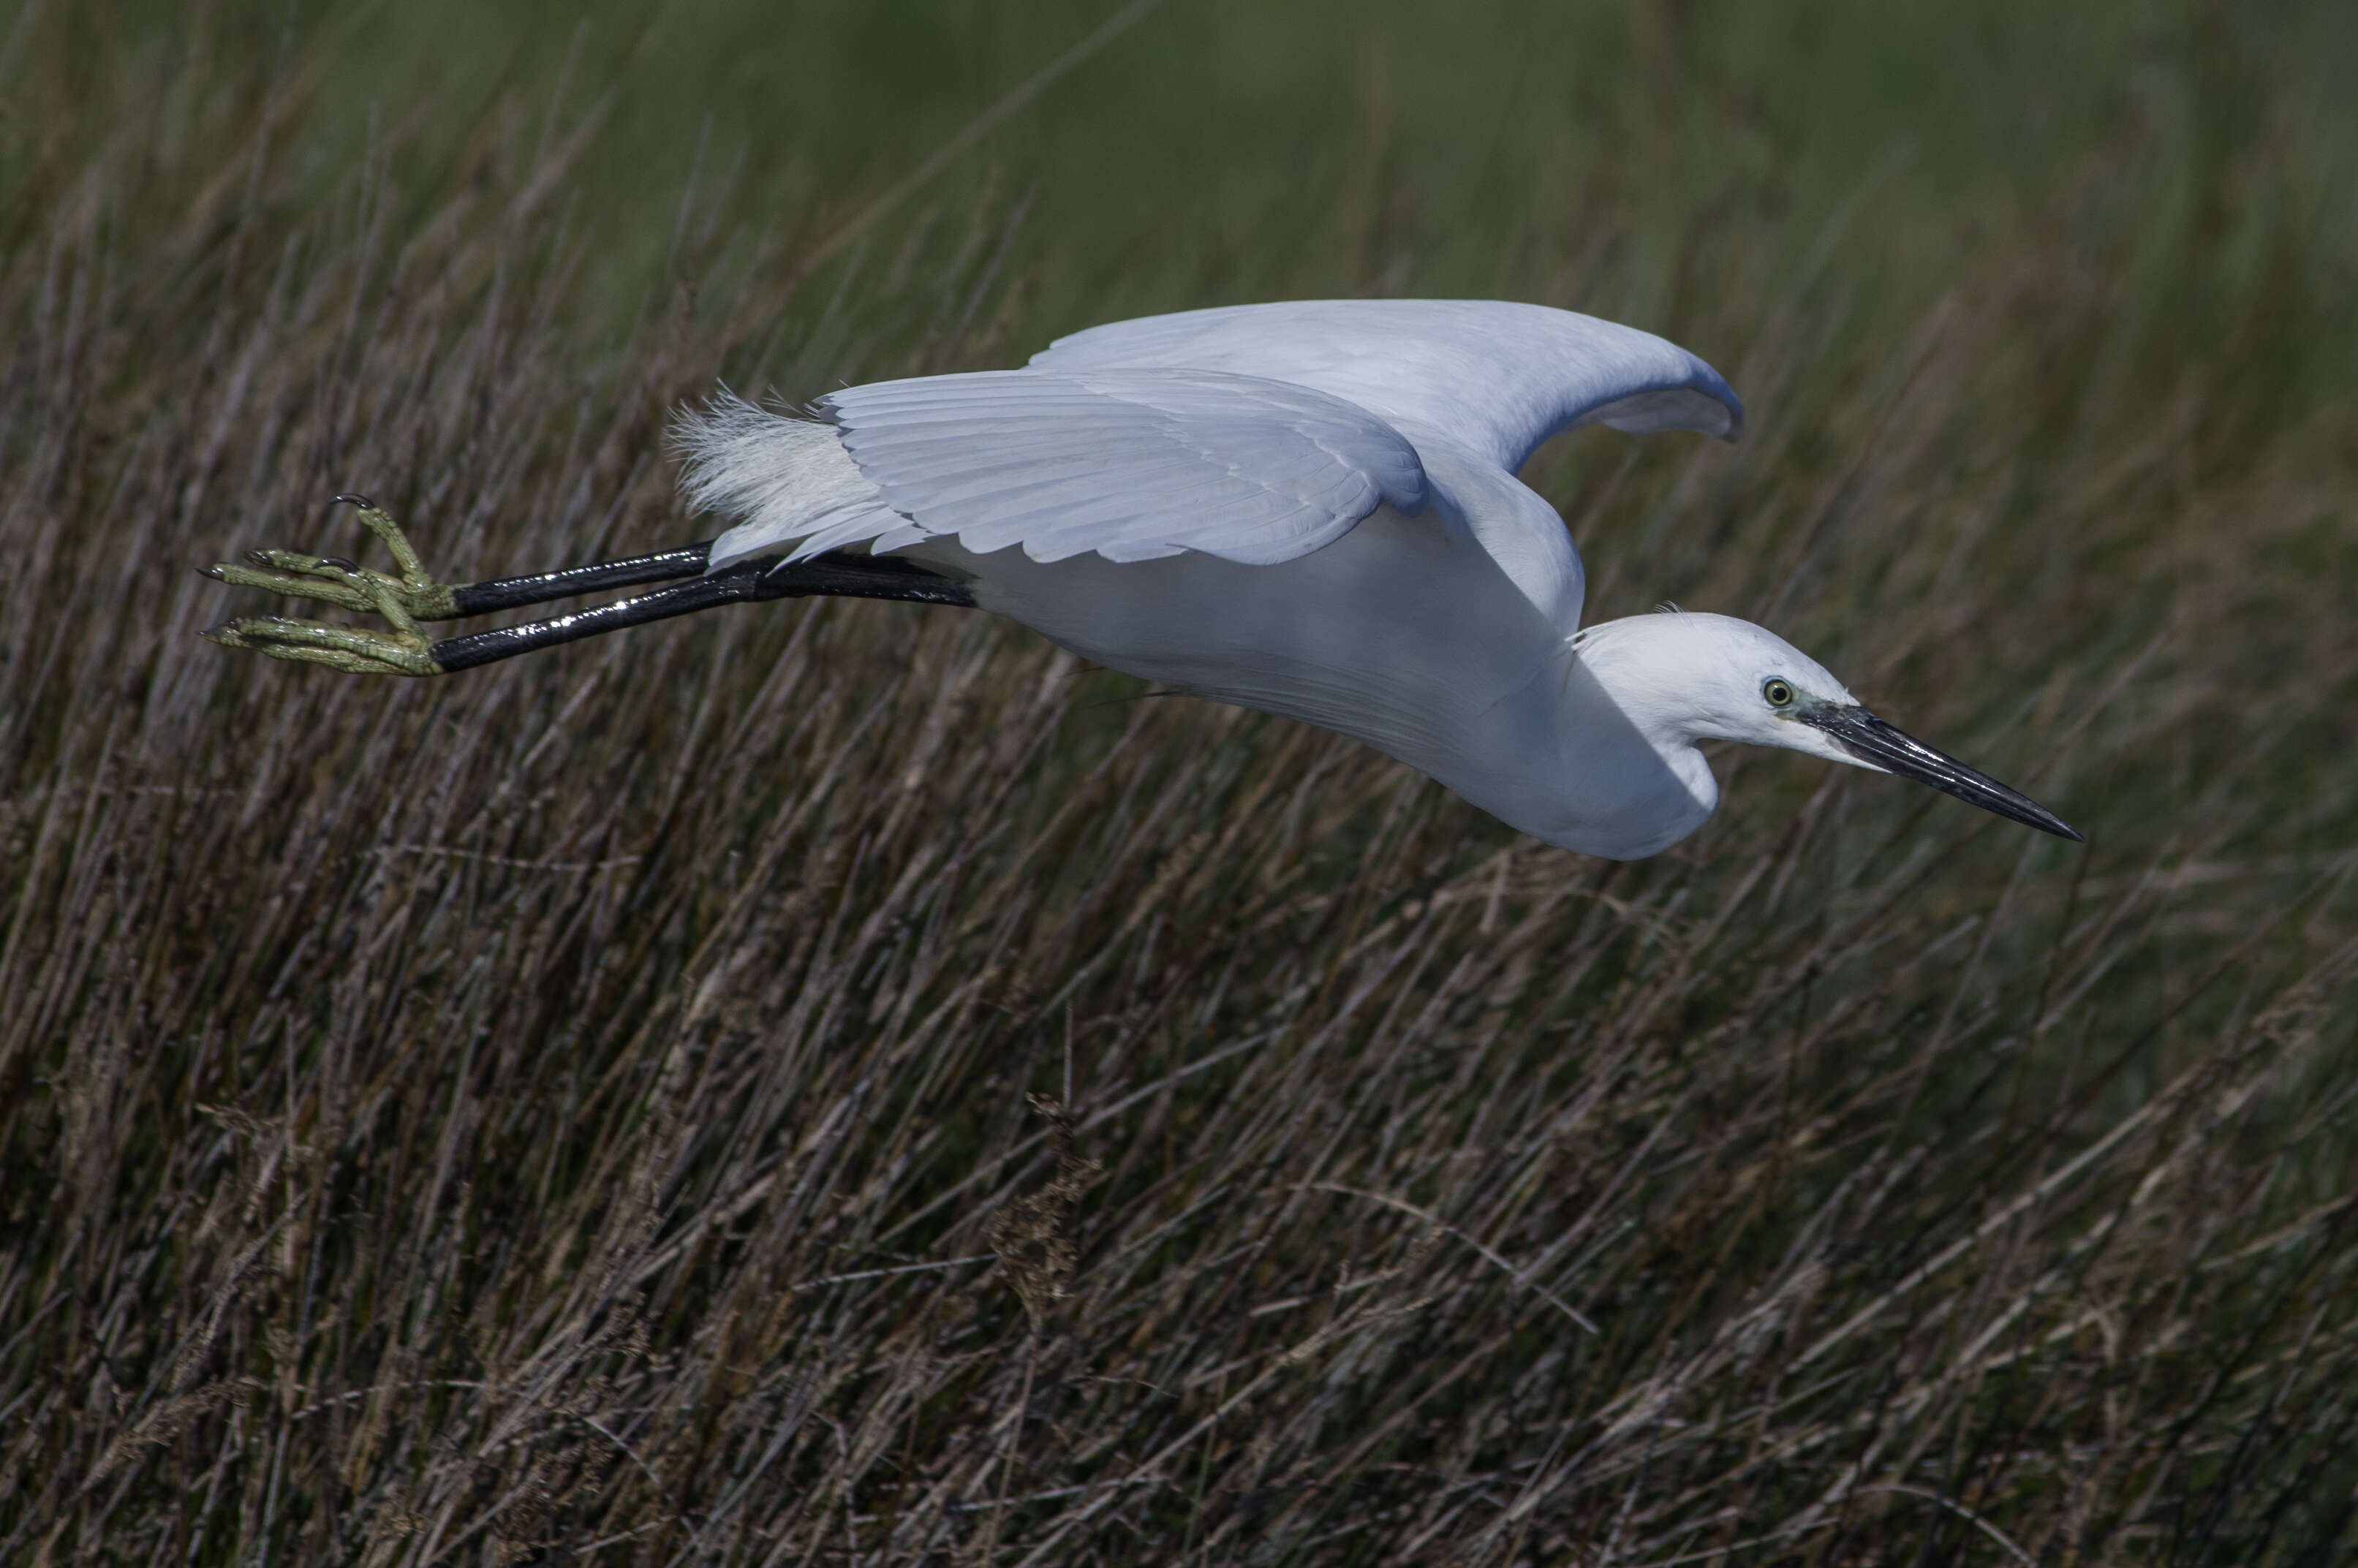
1685, 677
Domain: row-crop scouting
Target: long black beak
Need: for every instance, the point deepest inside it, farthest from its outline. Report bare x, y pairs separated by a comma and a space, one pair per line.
1873, 741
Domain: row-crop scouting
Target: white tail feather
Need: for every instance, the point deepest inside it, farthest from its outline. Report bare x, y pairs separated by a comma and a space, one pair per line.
786, 481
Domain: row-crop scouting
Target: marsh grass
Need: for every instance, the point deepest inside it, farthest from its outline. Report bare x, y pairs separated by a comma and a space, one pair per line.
844, 1082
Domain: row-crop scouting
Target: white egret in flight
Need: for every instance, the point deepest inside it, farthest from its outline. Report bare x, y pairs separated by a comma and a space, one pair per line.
1306, 508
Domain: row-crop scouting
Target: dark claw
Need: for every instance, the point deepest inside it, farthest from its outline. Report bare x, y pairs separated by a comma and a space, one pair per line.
256, 558
363, 502
340, 563
212, 572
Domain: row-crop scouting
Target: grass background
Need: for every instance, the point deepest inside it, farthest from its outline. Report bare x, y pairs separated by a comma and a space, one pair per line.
840, 1082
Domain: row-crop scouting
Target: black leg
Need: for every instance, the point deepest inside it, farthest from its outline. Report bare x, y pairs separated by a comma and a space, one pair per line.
768, 576
509, 592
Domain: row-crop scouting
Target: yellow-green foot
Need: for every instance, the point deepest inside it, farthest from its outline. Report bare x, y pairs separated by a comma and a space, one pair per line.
404, 600
347, 648
338, 581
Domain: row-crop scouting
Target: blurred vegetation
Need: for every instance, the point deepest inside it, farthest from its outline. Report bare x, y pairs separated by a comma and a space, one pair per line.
837, 1082
1223, 152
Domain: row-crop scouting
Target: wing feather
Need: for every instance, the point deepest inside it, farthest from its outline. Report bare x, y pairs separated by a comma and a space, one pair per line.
1497, 378
1134, 465
1258, 433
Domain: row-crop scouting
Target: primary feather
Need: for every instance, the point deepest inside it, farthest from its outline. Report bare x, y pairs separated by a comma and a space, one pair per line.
1493, 376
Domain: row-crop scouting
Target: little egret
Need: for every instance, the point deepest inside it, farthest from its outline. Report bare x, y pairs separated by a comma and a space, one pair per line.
1306, 508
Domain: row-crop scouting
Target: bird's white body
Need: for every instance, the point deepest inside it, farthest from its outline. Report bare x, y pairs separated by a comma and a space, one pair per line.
1309, 509
1440, 663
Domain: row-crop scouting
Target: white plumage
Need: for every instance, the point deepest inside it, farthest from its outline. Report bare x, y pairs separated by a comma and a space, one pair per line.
1312, 509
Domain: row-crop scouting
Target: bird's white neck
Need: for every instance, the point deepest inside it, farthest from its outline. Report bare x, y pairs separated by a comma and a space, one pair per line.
1581, 758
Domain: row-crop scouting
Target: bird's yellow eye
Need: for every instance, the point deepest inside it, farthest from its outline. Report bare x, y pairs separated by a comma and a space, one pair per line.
1779, 693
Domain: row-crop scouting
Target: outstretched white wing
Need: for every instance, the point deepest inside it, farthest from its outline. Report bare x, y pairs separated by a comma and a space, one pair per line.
1132, 465
1257, 433
1495, 377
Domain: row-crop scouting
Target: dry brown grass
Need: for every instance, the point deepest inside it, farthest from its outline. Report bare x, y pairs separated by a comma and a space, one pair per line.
842, 1083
